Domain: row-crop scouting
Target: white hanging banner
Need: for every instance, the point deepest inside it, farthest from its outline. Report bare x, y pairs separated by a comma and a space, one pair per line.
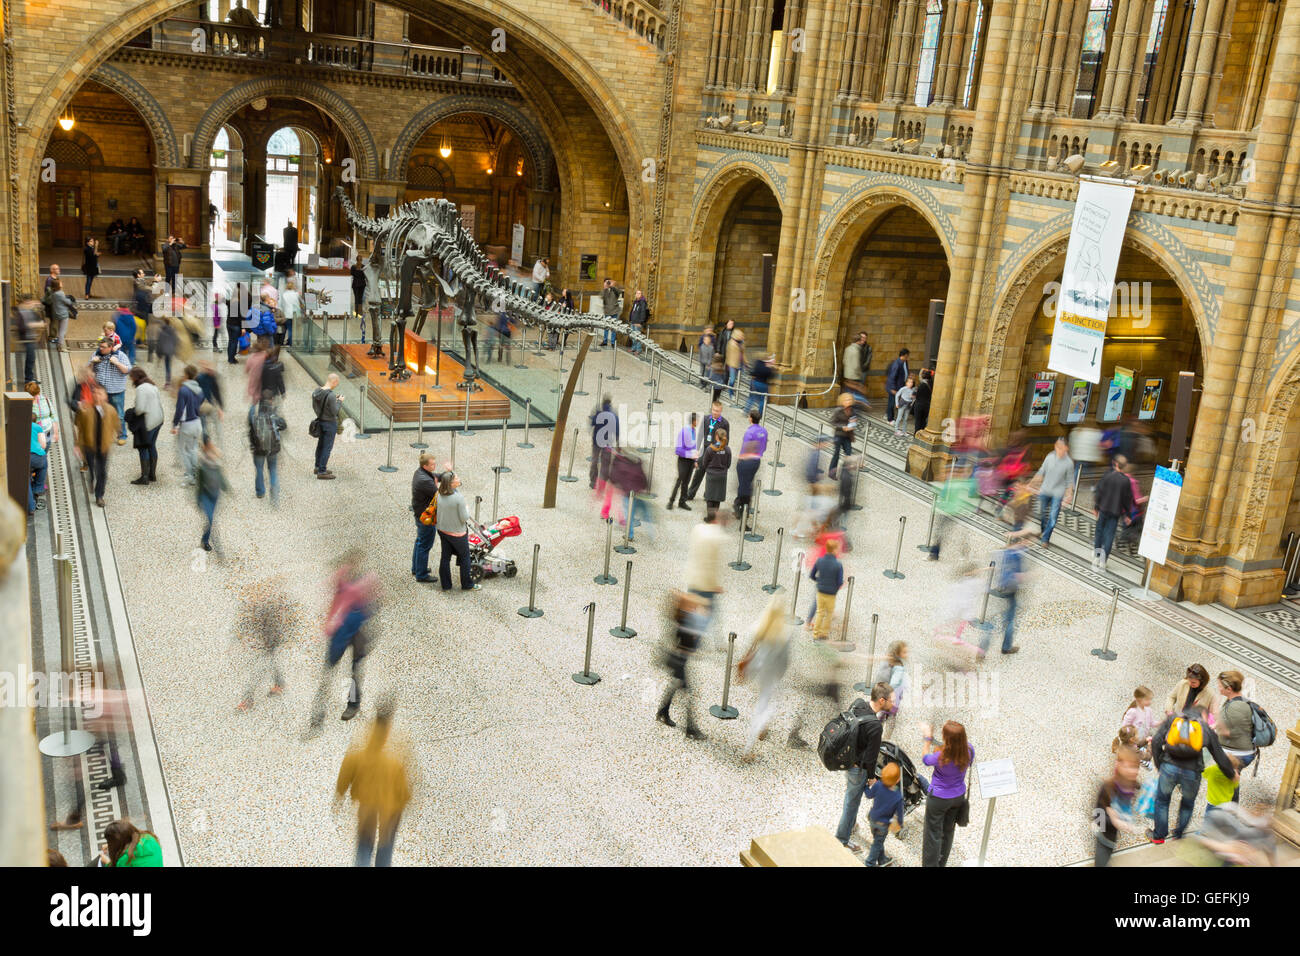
1088, 282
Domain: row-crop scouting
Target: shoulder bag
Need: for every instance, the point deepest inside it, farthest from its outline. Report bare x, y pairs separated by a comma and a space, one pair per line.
963, 808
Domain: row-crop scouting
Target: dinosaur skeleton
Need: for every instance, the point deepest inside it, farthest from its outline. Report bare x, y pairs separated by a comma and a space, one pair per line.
425, 239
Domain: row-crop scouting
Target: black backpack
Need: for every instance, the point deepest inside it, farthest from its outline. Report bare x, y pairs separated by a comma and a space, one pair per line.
838, 744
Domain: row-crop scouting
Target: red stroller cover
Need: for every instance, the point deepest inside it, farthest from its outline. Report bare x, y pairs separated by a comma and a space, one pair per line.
505, 528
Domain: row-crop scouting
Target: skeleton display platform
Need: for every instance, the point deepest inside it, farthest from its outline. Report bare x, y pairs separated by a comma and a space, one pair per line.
401, 400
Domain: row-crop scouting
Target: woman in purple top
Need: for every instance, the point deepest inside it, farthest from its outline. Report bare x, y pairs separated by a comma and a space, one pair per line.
752, 446
686, 455
951, 762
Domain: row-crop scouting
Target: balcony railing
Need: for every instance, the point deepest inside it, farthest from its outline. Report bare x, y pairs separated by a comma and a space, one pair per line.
224, 40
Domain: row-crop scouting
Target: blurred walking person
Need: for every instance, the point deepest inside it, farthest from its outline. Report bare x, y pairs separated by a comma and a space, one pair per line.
210, 482
355, 595
265, 427
690, 620
149, 417
1113, 499
187, 426
377, 774
267, 618
765, 663
704, 565
97, 425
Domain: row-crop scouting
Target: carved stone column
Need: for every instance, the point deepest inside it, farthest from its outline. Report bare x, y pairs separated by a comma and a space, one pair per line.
1220, 546
1210, 27
1124, 58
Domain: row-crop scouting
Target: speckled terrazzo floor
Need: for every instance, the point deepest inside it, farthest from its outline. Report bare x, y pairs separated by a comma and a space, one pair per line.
517, 763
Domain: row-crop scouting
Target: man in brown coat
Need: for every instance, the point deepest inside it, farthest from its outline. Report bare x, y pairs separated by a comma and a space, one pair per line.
97, 427
735, 359
380, 780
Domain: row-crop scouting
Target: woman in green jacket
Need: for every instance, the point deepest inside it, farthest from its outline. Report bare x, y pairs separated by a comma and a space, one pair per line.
124, 845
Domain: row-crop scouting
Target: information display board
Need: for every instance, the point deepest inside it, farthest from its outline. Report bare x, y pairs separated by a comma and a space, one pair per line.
1148, 399
1111, 406
1162, 506
1038, 400
1075, 404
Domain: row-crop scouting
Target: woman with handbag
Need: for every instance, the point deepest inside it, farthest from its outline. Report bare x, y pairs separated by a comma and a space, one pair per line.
715, 463
948, 805
149, 419
453, 531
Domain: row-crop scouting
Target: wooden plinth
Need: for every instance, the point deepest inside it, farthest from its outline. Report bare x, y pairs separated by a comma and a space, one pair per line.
401, 400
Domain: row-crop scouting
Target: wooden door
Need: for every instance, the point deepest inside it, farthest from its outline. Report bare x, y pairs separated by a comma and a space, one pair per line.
66, 201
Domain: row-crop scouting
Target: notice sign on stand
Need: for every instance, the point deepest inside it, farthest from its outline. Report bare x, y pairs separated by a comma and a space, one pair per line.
517, 243
997, 778
1162, 506
1088, 282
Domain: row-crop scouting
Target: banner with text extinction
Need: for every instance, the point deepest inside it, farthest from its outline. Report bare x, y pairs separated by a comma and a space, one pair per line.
1088, 282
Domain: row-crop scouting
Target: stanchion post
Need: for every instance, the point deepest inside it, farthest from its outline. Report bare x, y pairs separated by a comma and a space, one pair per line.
532, 610
419, 438
623, 630
1074, 494
893, 573
1104, 652
659, 374
68, 742
361, 434
626, 547
859, 471
613, 360
725, 711
528, 421
496, 492
582, 381
929, 533
651, 380
648, 491
389, 467
501, 466
649, 418
605, 577
587, 676
988, 828
795, 619
740, 564
573, 450
467, 433
864, 687
988, 589
453, 451
478, 501
844, 645
752, 534
776, 565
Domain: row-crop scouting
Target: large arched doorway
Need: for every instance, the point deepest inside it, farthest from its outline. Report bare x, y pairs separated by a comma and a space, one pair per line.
744, 263
292, 199
891, 279
226, 189
1152, 332
480, 164
98, 167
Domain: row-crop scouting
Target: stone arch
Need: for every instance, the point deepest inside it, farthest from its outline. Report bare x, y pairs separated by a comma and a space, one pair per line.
884, 189
1011, 322
713, 199
847, 224
437, 175
65, 147
339, 109
474, 21
166, 151
540, 155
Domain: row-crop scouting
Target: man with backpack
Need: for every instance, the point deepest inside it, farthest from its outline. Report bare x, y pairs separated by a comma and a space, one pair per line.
265, 427
851, 742
1177, 750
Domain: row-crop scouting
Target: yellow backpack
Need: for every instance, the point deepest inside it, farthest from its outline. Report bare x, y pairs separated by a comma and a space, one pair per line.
1185, 735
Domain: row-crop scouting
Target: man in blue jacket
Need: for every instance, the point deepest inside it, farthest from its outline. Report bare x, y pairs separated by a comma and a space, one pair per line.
895, 378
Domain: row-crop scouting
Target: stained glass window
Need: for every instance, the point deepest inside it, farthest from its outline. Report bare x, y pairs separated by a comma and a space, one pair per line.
1155, 39
929, 52
1094, 48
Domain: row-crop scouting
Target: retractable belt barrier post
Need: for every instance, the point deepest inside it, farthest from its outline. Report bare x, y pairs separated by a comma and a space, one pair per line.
605, 577
725, 711
893, 573
587, 676
776, 565
532, 610
623, 630
419, 438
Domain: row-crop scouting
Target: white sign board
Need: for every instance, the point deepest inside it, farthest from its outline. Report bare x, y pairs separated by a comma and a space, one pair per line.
517, 242
330, 295
1162, 506
997, 778
1088, 282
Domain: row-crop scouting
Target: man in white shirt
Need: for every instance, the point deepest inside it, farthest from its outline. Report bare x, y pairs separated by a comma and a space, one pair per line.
541, 272
704, 550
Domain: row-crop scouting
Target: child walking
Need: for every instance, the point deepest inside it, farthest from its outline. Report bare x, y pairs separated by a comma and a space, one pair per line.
886, 814
828, 574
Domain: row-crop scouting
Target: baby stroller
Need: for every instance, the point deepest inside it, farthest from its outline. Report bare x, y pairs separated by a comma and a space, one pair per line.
482, 540
915, 786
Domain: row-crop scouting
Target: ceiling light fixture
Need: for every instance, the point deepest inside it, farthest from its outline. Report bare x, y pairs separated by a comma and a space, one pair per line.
67, 120
444, 149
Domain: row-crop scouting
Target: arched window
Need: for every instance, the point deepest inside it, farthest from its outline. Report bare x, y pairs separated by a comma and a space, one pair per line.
929, 52
1096, 30
1154, 42
972, 73
284, 164
226, 187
